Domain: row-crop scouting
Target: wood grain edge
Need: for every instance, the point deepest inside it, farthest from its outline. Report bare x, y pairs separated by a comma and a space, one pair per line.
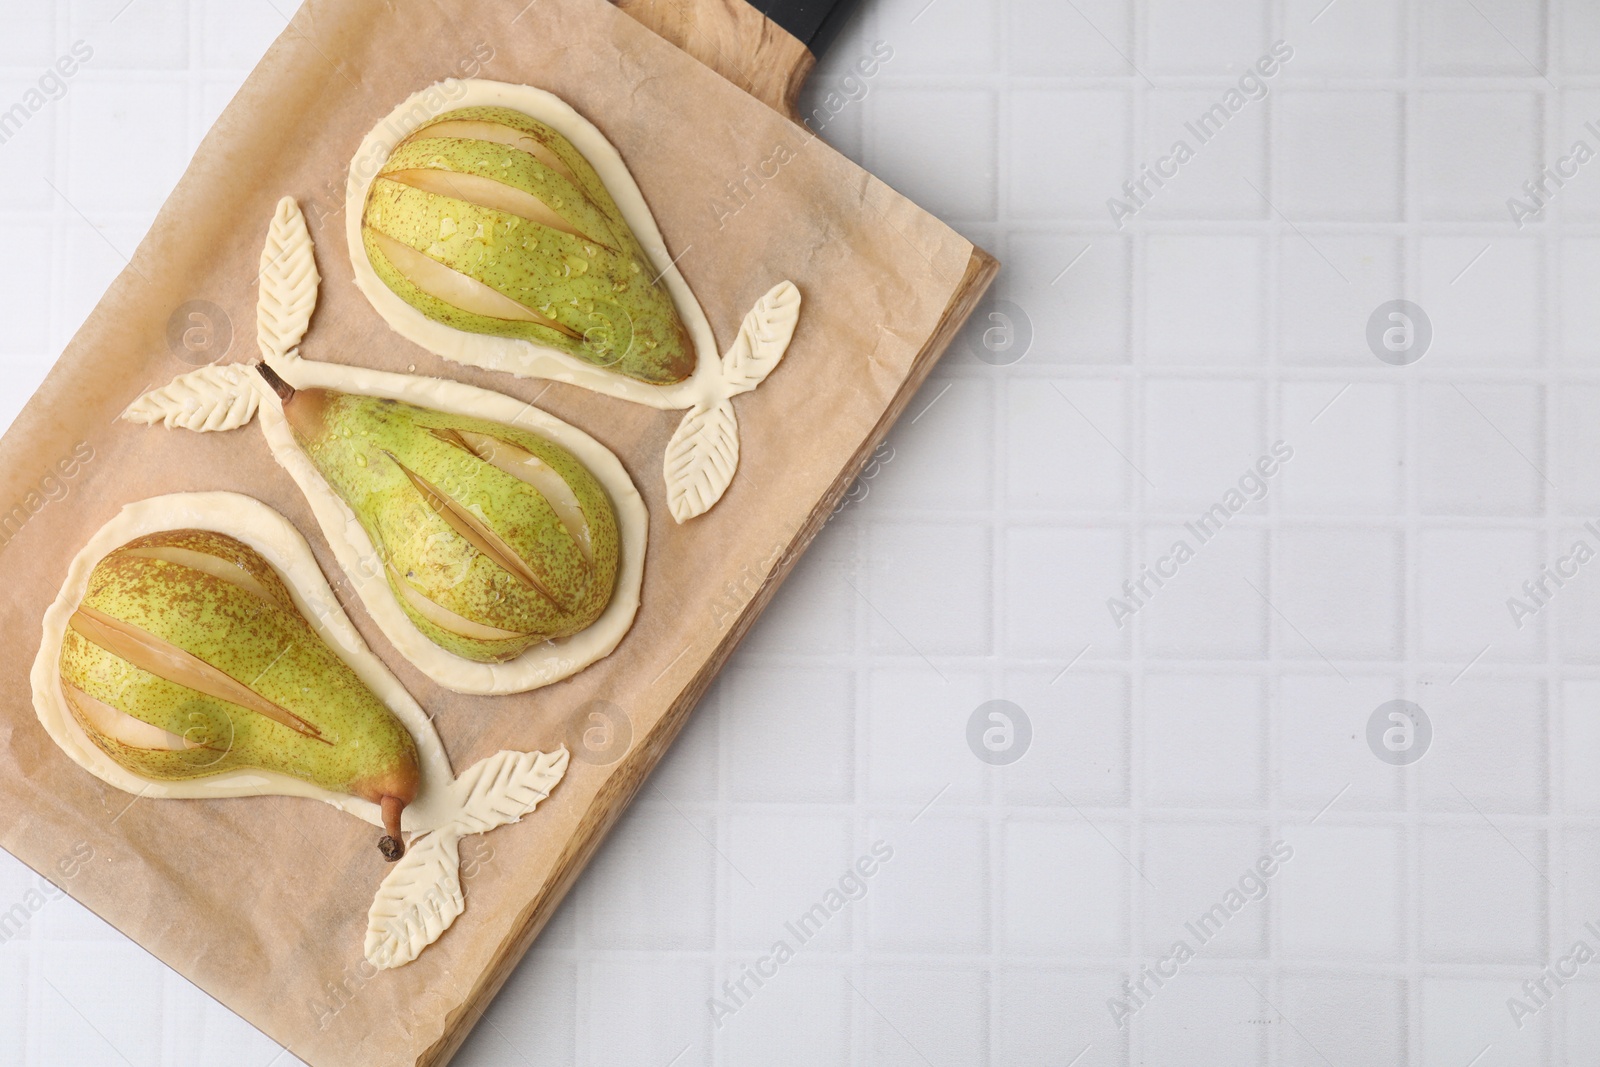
736, 41
625, 782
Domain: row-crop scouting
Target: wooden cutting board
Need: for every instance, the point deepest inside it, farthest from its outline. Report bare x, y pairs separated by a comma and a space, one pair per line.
262, 902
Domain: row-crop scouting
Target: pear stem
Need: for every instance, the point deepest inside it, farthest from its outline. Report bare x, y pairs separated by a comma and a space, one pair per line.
284, 390
392, 845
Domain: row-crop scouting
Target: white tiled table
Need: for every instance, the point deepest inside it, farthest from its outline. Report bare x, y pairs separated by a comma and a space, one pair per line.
1231, 709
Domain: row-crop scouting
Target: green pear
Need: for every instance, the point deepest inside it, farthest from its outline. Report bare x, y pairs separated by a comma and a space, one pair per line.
491, 222
493, 538
188, 657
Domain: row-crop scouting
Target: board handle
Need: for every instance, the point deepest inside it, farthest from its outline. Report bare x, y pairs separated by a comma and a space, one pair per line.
767, 48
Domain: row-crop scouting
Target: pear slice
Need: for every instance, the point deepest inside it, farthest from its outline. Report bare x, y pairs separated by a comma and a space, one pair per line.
440, 615
215, 566
527, 467
480, 536
486, 192
454, 288
479, 130
152, 654
103, 720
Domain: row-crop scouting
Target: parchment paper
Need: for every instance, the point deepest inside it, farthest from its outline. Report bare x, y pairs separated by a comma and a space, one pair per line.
262, 902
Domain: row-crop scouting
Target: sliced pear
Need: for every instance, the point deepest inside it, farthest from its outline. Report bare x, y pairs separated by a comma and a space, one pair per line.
478, 130
150, 653
102, 719
479, 535
443, 616
215, 566
486, 192
520, 463
456, 289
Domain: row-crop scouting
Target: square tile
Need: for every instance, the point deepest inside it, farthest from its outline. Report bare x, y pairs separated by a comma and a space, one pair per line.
1205, 741
1204, 149
531, 1019
925, 1012
1039, 1016
1055, 610
1460, 1016
1203, 300
1582, 1003
1484, 37
933, 894
1081, 724
110, 121
1482, 449
1463, 579
1576, 870
913, 155
27, 146
1489, 743
643, 1011
1075, 294
1208, 608
1204, 889
1205, 1020
928, 588
1065, 858
1329, 286
1483, 299
1086, 37
817, 612
932, 39
1069, 152
30, 38
1348, 452
942, 455
1322, 1007
1324, 755
1201, 436
133, 37
25, 293
1340, 893
917, 736
1580, 731
1580, 37
789, 733
1351, 38
115, 989
1205, 36
800, 1019
1474, 149
688, 773
232, 37
1084, 420
1483, 895
652, 885
792, 862
1341, 155
1580, 316
1339, 591
1566, 179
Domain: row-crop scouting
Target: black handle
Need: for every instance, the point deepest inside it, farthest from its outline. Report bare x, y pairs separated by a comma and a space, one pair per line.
815, 22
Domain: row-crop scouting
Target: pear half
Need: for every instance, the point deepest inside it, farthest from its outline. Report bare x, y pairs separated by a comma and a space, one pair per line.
493, 539
187, 658
489, 221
